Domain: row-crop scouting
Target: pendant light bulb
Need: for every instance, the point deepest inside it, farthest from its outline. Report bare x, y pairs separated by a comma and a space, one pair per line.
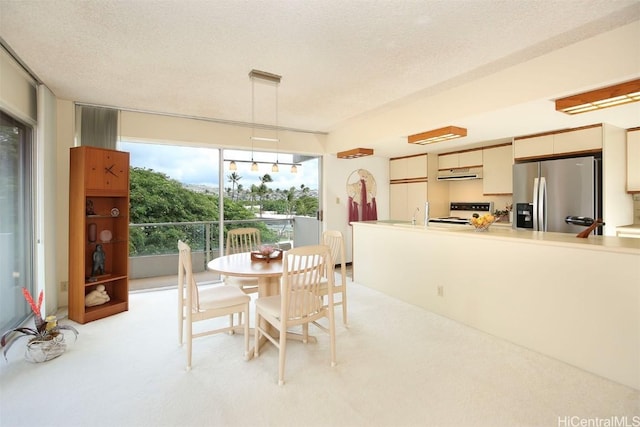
233, 166
294, 169
274, 168
254, 167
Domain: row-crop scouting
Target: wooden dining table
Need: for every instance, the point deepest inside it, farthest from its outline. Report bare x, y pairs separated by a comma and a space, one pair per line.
267, 273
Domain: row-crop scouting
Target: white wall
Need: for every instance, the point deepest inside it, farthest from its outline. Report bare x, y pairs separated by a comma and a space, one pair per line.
47, 195
617, 204
336, 172
65, 134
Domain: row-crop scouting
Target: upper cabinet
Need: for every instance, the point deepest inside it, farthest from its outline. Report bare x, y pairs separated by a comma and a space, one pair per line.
460, 159
412, 167
408, 186
633, 160
581, 140
497, 176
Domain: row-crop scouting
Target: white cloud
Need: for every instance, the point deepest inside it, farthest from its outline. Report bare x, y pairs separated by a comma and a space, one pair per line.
195, 165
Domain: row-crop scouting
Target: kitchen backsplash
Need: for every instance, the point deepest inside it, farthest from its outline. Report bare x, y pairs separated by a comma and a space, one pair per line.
471, 191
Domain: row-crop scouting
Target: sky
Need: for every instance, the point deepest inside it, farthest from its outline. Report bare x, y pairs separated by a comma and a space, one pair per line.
199, 166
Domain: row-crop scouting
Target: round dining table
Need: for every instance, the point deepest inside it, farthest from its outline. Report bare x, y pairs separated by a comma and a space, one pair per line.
241, 265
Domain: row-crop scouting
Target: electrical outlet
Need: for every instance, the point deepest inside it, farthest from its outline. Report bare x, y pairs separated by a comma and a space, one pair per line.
440, 291
64, 286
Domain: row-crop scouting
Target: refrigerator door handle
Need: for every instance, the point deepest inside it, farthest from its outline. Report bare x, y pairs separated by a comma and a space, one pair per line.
536, 190
542, 204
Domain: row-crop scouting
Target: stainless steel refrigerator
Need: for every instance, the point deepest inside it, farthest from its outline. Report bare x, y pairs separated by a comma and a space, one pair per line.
561, 195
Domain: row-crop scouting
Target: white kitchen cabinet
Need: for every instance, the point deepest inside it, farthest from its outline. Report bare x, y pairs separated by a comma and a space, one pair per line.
587, 139
633, 160
578, 140
408, 186
533, 147
398, 201
467, 159
448, 161
405, 198
408, 167
417, 166
461, 159
497, 176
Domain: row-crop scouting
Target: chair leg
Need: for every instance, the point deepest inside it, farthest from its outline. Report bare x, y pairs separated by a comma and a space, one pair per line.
332, 336
256, 334
282, 354
344, 307
189, 344
246, 332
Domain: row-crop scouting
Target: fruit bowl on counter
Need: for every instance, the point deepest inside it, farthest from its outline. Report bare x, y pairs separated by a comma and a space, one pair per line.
482, 223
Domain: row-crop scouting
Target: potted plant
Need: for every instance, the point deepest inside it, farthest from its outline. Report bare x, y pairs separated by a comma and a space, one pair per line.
47, 338
504, 215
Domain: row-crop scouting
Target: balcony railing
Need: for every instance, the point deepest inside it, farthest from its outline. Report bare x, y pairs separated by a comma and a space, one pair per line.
153, 250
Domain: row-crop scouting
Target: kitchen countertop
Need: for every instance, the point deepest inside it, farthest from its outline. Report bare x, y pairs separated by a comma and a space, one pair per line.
598, 243
630, 227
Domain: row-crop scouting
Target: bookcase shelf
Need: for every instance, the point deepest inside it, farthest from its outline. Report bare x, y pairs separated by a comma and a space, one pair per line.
98, 215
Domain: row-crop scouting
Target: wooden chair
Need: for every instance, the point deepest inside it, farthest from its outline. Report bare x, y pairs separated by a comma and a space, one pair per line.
300, 301
195, 305
335, 241
243, 240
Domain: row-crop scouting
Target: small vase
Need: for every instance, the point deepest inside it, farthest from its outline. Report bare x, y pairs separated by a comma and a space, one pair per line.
38, 351
93, 231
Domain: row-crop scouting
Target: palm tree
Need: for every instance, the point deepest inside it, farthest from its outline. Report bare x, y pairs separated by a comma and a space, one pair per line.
262, 189
234, 178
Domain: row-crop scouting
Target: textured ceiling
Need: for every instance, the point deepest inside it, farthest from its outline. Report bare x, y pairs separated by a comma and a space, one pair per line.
339, 59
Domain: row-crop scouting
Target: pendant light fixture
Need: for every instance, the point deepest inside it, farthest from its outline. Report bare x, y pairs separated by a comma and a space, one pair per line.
270, 78
233, 166
254, 165
274, 167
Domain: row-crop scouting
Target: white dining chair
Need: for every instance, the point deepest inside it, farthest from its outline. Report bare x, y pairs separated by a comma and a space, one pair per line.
195, 305
300, 302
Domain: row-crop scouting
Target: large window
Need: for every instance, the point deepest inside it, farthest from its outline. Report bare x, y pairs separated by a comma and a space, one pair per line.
16, 220
176, 193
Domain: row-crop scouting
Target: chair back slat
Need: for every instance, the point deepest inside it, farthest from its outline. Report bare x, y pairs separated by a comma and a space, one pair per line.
303, 271
242, 240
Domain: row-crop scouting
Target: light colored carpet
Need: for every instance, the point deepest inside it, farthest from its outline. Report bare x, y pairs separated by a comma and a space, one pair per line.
398, 365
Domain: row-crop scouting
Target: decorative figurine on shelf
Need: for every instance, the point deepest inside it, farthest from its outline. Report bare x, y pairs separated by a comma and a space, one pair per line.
96, 297
89, 207
98, 261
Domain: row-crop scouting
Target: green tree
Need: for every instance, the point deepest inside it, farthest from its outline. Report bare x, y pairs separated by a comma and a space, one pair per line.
155, 198
234, 179
263, 190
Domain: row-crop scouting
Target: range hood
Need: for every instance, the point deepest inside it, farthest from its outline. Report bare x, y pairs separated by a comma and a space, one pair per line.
459, 174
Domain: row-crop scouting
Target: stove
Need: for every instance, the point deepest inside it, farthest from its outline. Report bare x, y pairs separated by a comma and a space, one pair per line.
461, 212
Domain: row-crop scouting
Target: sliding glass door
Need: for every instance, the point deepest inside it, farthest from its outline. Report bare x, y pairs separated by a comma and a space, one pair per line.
16, 220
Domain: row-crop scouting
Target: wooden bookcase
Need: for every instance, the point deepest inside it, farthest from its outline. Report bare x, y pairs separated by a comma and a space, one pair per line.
98, 215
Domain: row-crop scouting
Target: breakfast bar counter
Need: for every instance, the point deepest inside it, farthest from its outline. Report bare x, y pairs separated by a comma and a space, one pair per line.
574, 299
